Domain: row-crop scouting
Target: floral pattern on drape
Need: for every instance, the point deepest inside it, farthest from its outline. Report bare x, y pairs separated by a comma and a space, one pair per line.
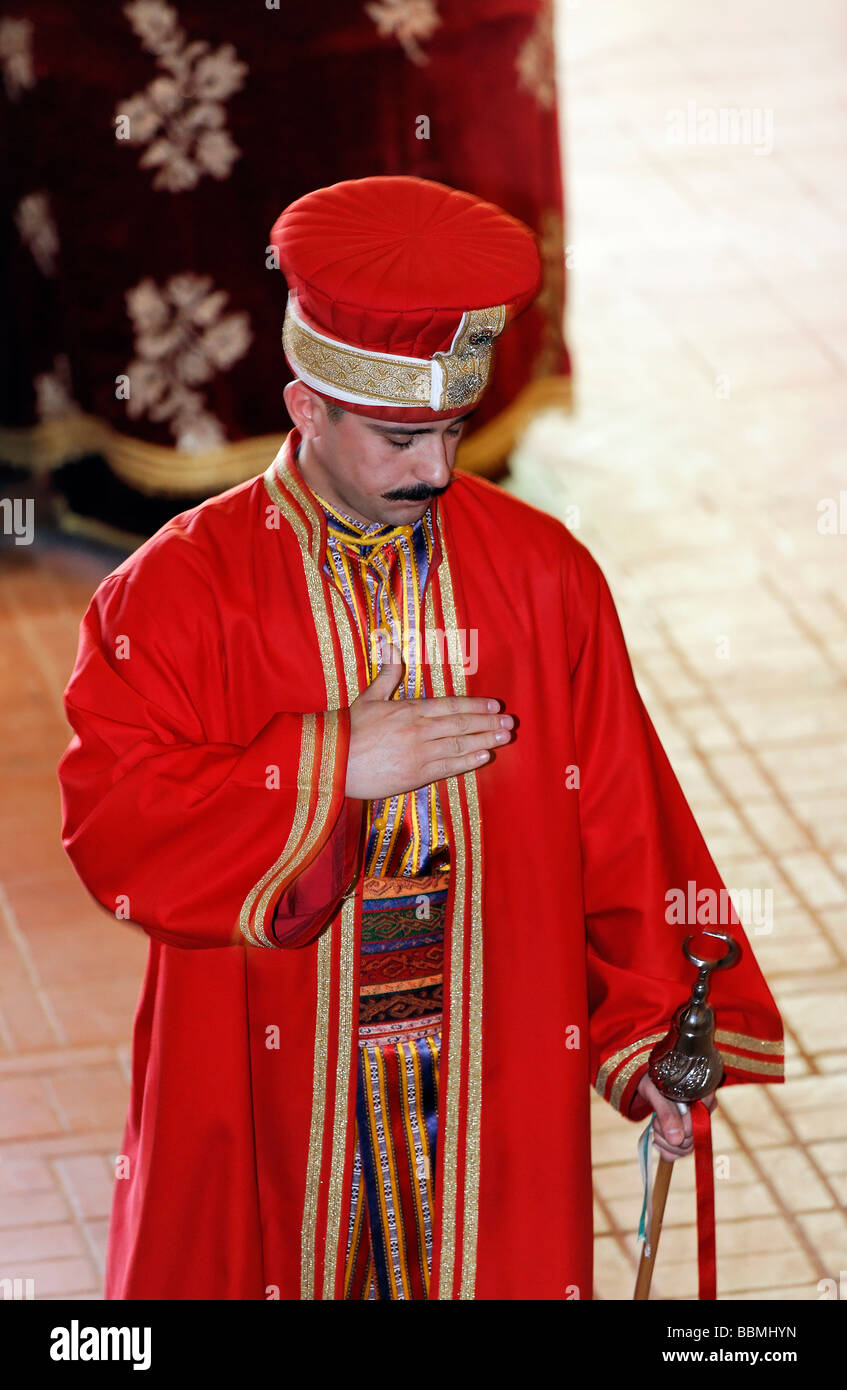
149, 148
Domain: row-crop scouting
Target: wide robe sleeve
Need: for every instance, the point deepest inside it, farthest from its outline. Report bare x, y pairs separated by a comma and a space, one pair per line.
202, 843
644, 857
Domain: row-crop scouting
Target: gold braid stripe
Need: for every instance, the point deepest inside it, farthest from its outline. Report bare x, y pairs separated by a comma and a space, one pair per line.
748, 1044
304, 788
343, 620
308, 1253
346, 1000
627, 1071
731, 1059
335, 1199
314, 581
347, 972
470, 1226
639, 1052
284, 872
454, 1042
270, 884
317, 602
611, 1063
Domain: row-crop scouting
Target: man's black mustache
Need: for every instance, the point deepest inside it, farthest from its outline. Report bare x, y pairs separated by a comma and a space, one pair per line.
421, 493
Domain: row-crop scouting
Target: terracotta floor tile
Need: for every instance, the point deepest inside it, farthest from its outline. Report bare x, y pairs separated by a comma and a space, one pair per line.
828, 1233
92, 953
91, 1098
831, 1061
98, 1010
618, 1270
770, 1235
798, 1182
97, 1233
751, 1270
33, 1208
61, 1278
735, 1200
43, 1242
752, 1114
818, 1018
20, 1175
601, 1222
28, 1021
820, 1124
87, 1179
831, 1156
26, 1109
779, 957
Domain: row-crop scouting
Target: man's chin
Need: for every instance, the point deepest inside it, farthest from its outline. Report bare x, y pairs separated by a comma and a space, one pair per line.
399, 505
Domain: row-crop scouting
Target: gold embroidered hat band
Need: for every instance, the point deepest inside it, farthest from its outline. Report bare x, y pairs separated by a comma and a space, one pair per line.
361, 376
398, 287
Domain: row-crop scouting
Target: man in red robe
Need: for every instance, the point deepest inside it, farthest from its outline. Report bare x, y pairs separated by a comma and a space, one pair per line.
405, 903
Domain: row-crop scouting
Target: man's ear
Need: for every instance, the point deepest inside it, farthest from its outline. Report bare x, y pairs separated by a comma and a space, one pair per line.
304, 407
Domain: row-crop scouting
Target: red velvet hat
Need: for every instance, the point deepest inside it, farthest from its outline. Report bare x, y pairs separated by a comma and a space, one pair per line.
397, 288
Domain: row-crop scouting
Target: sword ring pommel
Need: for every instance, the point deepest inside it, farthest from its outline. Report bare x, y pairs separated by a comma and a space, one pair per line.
723, 962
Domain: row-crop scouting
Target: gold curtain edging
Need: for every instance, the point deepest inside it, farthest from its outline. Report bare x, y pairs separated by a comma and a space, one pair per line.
160, 471
150, 468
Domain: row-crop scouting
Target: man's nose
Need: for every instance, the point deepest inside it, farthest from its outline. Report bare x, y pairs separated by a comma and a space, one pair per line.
434, 464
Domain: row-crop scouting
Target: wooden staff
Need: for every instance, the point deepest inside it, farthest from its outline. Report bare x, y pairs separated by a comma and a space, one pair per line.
651, 1244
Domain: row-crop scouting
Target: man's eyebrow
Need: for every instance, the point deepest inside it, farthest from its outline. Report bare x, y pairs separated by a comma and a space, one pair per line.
412, 429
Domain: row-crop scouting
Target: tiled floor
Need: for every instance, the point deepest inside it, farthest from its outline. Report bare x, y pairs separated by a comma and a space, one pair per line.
68, 981
707, 316
708, 313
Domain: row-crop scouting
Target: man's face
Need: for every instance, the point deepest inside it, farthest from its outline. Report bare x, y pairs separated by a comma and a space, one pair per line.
374, 469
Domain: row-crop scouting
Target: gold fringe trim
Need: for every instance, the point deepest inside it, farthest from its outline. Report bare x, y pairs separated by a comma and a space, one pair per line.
72, 524
160, 471
149, 468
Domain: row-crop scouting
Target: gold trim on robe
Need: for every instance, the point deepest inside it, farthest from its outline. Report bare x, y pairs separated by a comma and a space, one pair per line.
336, 959
613, 1062
305, 773
278, 485
727, 1042
470, 1225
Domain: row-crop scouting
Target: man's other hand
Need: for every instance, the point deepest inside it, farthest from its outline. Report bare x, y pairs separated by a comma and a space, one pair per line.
672, 1133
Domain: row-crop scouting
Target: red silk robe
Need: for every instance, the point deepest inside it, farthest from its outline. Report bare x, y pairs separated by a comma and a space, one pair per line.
203, 798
